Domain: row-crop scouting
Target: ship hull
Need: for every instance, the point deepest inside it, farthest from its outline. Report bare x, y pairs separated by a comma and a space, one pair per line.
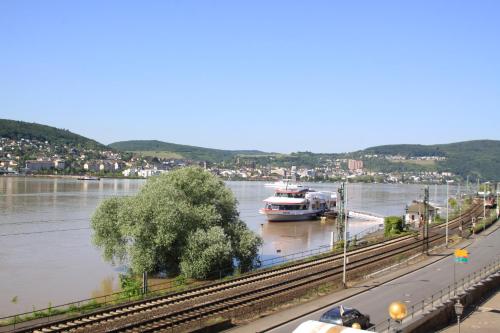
284, 217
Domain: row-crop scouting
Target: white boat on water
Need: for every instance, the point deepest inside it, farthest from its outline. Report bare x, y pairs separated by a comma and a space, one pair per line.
295, 202
88, 178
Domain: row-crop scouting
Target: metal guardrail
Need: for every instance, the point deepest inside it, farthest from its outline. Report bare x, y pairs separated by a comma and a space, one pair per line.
447, 294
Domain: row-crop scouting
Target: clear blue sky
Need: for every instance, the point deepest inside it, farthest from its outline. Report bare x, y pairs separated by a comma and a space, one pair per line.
323, 76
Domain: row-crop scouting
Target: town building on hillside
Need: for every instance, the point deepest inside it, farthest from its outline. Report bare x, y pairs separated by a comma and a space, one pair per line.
355, 165
279, 171
119, 165
130, 172
106, 166
4, 162
59, 164
91, 166
36, 165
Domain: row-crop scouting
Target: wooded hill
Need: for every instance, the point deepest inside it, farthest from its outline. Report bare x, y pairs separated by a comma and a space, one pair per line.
478, 158
160, 148
17, 130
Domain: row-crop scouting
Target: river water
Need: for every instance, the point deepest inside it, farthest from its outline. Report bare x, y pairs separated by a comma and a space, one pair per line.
46, 255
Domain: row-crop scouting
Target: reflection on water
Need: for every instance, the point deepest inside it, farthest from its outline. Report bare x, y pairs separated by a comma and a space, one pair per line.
106, 287
58, 267
290, 237
42, 267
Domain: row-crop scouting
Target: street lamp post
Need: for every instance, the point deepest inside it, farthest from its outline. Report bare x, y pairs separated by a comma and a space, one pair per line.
398, 311
459, 309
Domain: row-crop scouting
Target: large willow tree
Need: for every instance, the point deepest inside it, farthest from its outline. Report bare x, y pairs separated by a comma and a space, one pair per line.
183, 221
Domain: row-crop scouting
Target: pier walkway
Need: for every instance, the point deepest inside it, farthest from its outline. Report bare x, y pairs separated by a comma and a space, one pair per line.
366, 216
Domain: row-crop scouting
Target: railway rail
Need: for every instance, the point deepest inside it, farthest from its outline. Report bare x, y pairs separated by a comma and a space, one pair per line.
174, 310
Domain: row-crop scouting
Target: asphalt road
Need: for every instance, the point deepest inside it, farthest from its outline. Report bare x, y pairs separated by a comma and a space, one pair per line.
414, 287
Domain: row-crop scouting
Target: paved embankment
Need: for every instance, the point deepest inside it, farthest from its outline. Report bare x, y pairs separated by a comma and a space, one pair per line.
484, 318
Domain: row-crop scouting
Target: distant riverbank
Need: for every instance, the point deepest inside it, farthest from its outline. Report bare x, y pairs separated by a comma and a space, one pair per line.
354, 180
70, 176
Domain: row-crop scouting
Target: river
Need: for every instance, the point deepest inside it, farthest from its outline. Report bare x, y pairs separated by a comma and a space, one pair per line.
46, 254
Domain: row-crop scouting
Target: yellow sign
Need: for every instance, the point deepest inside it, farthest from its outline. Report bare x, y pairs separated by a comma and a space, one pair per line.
461, 253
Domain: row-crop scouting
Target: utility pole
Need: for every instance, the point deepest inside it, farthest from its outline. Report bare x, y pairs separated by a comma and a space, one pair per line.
425, 237
340, 216
345, 236
447, 208
484, 202
435, 193
467, 186
144, 283
498, 192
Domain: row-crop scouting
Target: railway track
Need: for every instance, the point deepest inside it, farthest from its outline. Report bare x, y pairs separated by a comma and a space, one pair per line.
168, 312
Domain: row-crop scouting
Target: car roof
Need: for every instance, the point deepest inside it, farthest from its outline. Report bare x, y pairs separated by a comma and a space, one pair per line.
336, 311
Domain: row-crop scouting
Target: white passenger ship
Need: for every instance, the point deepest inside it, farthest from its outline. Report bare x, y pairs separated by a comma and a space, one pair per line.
294, 202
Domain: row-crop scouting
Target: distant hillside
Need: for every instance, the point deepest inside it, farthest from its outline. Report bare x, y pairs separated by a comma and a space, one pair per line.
160, 148
14, 129
479, 158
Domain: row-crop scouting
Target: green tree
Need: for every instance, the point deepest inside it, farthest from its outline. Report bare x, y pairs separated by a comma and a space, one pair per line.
453, 203
245, 245
207, 254
171, 220
393, 225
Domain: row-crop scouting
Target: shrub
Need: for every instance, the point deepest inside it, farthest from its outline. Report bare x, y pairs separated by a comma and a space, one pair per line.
393, 225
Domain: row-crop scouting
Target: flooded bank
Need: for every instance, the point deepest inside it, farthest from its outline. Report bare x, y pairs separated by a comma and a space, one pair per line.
46, 254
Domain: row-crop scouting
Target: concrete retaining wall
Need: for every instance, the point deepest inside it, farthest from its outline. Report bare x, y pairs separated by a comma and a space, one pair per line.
445, 315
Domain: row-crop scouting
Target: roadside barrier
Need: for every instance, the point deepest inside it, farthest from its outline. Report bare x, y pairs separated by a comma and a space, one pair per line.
446, 295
